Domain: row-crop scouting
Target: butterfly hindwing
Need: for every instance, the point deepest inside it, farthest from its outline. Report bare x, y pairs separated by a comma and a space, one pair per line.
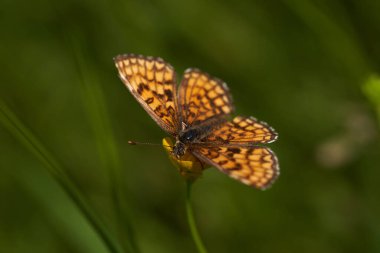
243, 130
253, 166
152, 82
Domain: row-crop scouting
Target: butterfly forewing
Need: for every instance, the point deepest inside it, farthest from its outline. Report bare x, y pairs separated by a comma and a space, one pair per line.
242, 130
253, 166
202, 97
152, 82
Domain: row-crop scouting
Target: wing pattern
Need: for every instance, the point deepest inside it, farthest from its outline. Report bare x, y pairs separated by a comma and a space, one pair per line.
247, 130
253, 166
153, 83
202, 97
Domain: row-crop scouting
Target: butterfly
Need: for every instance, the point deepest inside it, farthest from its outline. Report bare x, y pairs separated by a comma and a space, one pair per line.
196, 113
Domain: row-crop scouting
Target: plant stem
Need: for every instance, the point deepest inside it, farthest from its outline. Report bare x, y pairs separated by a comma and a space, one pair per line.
190, 219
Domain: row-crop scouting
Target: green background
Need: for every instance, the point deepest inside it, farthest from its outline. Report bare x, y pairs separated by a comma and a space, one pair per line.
308, 68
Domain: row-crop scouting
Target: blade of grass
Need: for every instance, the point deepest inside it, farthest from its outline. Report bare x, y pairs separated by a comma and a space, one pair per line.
191, 221
97, 112
25, 136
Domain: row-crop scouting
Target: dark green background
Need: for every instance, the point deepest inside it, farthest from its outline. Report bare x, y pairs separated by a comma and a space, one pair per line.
299, 65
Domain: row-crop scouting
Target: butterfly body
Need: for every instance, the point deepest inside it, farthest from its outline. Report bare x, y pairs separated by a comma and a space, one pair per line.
192, 136
196, 114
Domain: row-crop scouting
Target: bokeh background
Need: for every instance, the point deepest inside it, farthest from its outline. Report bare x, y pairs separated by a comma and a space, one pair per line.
307, 67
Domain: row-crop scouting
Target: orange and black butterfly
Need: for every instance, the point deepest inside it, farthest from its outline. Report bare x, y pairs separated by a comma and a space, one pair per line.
195, 113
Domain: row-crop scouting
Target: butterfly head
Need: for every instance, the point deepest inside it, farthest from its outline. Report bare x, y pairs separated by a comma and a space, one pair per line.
183, 138
179, 149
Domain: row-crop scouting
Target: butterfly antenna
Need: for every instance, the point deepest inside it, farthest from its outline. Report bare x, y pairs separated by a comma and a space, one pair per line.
145, 143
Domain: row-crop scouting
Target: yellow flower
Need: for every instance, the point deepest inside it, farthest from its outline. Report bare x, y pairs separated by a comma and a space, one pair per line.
189, 166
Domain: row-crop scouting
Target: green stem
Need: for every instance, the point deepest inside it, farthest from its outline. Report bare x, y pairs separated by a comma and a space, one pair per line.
190, 219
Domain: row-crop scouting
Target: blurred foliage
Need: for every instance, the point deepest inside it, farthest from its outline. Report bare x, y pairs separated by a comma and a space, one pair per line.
307, 67
372, 89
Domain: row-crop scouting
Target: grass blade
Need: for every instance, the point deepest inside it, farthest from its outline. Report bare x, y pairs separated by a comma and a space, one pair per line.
25, 136
97, 112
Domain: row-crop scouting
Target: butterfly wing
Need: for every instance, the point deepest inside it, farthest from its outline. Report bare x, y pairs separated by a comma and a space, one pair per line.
152, 82
253, 166
242, 130
232, 148
202, 97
